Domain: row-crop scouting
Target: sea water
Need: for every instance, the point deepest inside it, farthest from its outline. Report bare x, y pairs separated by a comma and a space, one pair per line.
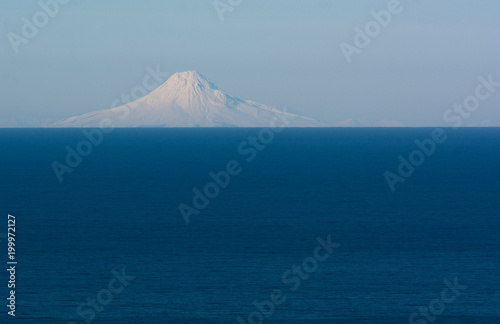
101, 237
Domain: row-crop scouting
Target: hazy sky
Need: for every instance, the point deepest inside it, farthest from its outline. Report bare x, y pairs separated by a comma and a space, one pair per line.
280, 53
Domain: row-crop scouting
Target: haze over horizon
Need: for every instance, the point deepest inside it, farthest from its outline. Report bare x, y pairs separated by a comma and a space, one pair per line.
428, 58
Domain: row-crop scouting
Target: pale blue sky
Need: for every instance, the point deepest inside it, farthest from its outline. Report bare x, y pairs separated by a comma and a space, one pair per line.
280, 53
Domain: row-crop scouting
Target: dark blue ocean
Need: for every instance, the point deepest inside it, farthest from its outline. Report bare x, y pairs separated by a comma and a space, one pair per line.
109, 244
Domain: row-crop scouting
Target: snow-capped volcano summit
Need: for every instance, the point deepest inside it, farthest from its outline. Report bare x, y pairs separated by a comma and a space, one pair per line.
188, 99
192, 91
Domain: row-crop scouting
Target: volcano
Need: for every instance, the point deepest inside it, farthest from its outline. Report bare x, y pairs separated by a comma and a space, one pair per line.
188, 99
